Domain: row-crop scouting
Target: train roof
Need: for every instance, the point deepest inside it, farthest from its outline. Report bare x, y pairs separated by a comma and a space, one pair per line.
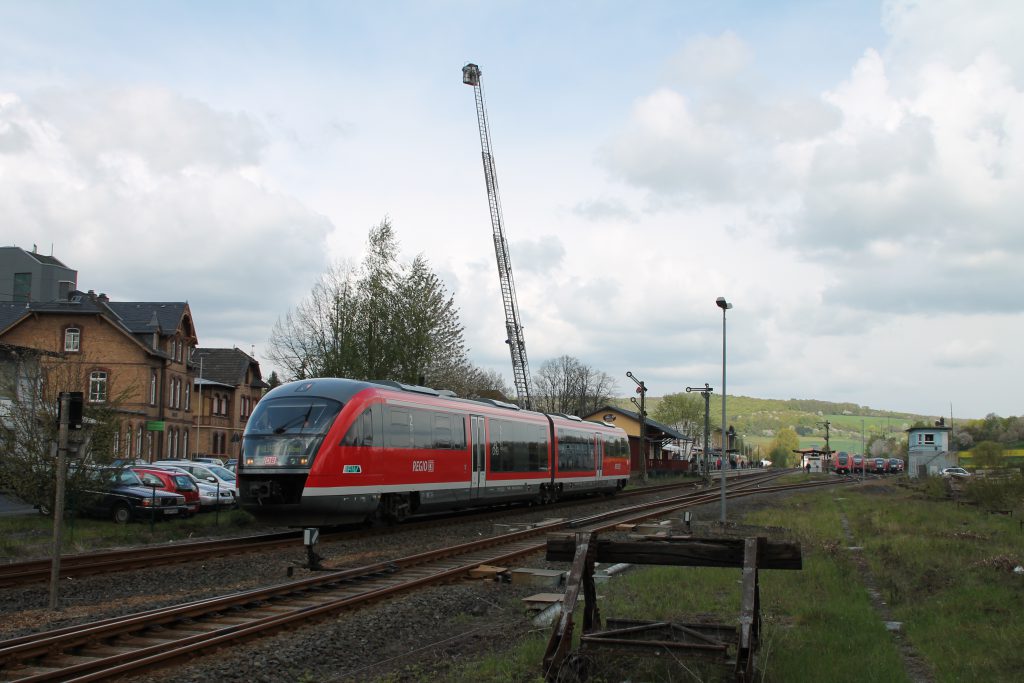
341, 389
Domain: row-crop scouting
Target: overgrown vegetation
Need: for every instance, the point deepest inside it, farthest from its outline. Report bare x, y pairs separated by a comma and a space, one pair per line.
945, 571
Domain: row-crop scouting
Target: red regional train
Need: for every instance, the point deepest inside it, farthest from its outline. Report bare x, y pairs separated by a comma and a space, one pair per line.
331, 451
842, 462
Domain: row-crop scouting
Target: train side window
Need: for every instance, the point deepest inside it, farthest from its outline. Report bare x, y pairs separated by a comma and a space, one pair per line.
518, 447
398, 428
421, 429
361, 431
442, 431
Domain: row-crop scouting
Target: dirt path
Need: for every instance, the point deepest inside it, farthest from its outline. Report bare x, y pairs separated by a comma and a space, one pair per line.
916, 667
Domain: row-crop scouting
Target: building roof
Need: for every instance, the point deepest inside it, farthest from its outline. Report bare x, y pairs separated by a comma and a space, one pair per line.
143, 317
228, 366
669, 431
136, 319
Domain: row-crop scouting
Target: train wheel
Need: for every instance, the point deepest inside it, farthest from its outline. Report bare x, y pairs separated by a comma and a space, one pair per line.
394, 507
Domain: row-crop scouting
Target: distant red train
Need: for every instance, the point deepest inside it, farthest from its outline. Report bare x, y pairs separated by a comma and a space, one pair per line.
332, 451
842, 462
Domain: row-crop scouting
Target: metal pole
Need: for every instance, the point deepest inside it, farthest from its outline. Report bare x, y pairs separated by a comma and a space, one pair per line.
58, 497
707, 435
705, 391
724, 305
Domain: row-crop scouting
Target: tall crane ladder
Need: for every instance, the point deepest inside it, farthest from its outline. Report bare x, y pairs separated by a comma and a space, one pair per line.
513, 323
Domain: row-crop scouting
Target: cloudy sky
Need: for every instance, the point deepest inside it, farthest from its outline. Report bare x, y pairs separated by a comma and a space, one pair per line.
848, 174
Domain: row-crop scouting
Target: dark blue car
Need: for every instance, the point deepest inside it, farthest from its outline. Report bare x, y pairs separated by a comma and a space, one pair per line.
119, 494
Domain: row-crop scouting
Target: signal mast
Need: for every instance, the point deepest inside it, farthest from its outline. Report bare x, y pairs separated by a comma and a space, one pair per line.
513, 324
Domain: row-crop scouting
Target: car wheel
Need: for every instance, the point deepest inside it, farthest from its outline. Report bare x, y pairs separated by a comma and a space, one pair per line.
122, 514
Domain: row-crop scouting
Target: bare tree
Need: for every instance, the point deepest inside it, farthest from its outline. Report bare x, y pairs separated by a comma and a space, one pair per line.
28, 436
566, 385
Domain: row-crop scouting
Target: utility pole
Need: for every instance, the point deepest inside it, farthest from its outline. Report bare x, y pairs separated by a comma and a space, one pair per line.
706, 393
641, 389
828, 450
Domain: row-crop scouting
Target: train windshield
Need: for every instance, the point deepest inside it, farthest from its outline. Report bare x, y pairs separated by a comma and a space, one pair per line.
288, 431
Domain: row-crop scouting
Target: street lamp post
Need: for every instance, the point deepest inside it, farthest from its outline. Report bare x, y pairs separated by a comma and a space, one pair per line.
724, 305
705, 391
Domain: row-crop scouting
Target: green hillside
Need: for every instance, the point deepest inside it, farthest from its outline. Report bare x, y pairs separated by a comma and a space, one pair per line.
758, 419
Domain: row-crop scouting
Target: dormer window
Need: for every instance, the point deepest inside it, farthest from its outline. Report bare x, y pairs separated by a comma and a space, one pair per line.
72, 340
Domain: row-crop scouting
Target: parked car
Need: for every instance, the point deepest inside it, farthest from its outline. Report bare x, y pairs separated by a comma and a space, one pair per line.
211, 496
955, 472
209, 461
176, 482
231, 465
211, 474
118, 493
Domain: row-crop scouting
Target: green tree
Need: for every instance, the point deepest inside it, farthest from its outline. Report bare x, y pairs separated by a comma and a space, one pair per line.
780, 452
684, 413
988, 455
382, 320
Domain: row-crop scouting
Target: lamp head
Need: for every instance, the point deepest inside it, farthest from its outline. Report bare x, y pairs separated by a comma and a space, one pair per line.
722, 303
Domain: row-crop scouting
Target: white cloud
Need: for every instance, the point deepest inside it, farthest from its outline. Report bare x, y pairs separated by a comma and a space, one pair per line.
155, 184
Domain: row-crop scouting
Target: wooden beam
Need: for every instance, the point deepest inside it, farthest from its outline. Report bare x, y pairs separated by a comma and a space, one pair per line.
681, 552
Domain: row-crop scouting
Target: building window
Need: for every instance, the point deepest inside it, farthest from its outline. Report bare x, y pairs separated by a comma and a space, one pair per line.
98, 386
149, 444
138, 442
188, 397
184, 444
929, 438
72, 340
152, 388
22, 287
117, 442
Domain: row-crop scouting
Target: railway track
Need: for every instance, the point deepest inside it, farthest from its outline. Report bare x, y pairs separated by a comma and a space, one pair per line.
117, 646
89, 564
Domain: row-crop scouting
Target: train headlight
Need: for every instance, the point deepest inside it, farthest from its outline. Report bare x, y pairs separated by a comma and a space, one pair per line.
250, 461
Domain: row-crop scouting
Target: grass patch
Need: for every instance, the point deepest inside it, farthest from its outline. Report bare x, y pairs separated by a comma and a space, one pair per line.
28, 537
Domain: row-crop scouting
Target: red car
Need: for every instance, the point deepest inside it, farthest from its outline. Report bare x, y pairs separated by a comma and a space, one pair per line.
171, 481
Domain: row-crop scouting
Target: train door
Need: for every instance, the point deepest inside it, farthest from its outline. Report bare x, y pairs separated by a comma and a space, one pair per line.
479, 474
599, 449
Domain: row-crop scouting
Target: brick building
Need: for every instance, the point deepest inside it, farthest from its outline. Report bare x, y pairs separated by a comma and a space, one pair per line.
130, 356
228, 384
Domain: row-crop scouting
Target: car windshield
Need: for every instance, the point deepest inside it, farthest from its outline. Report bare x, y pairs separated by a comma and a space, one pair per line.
222, 472
183, 482
123, 478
